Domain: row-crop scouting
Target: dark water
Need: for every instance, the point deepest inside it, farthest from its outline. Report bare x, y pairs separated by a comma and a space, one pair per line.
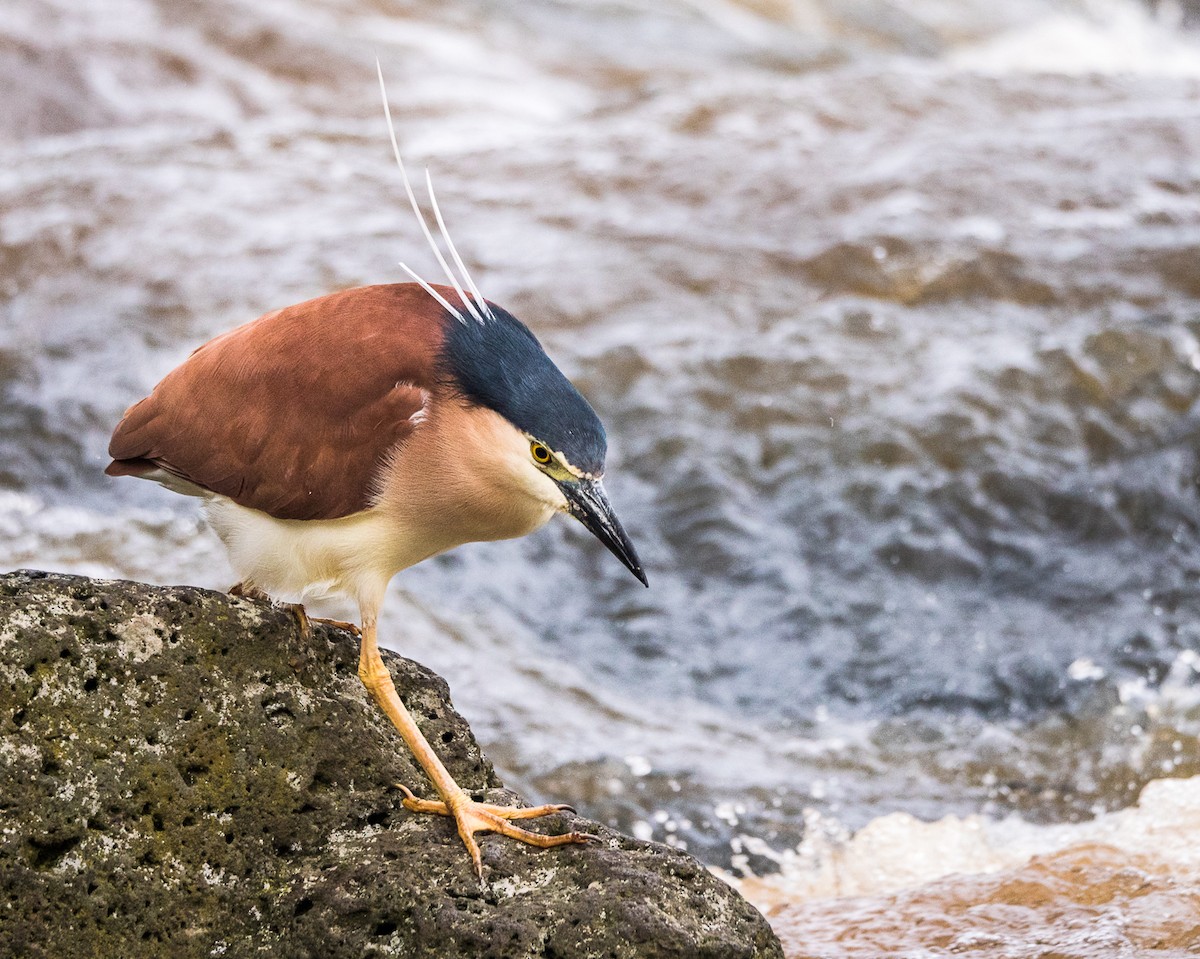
892, 312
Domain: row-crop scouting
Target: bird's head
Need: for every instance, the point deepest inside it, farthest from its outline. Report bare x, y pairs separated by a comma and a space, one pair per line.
553, 443
492, 360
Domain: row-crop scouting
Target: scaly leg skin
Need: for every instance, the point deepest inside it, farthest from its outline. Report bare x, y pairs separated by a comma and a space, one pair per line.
470, 816
250, 591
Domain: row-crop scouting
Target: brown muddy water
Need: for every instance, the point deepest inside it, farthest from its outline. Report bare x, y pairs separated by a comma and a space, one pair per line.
893, 313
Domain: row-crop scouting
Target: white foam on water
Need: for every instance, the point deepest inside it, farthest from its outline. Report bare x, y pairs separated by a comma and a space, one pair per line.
899, 852
1108, 37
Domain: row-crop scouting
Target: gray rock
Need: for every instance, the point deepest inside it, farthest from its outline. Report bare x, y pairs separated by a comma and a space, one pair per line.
183, 774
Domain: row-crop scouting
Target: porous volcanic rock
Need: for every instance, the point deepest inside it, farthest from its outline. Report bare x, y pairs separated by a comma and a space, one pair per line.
182, 773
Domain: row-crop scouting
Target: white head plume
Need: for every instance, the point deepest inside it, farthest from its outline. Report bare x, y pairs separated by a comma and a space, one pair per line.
479, 309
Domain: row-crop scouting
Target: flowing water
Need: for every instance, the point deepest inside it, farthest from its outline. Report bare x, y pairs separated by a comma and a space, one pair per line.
893, 313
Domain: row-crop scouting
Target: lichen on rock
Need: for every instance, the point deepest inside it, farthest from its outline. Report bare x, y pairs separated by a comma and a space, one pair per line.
182, 773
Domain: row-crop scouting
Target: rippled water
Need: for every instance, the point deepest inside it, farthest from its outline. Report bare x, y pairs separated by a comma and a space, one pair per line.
892, 311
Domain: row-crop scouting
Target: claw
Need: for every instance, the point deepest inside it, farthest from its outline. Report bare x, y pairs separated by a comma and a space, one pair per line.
472, 817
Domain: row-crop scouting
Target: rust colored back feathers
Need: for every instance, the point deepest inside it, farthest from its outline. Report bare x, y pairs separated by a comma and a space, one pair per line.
293, 413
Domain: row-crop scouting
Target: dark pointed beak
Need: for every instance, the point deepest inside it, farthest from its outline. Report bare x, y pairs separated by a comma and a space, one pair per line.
589, 504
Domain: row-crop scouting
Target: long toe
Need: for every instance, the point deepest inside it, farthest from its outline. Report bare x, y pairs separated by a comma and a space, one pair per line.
338, 624
475, 817
415, 804
527, 812
305, 621
502, 825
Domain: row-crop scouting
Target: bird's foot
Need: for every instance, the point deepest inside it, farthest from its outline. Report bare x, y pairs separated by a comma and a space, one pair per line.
305, 621
473, 817
250, 591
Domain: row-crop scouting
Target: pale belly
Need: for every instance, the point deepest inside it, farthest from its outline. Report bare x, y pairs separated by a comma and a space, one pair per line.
354, 556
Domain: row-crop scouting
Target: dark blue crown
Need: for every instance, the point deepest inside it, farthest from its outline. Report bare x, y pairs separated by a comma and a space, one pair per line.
501, 365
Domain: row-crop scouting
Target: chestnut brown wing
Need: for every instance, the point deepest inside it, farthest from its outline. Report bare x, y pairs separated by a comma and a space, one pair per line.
294, 413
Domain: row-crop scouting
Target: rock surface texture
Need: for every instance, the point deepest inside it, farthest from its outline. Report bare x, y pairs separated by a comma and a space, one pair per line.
182, 773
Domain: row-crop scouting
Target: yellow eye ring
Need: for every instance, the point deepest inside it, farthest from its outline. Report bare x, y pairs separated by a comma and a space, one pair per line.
539, 452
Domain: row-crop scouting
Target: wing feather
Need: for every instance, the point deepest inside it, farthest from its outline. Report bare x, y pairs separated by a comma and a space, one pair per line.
296, 412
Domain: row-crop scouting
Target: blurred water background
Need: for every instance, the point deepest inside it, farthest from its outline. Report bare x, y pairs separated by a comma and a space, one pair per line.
892, 310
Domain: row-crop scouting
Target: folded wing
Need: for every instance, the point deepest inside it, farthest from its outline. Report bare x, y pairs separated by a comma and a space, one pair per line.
296, 412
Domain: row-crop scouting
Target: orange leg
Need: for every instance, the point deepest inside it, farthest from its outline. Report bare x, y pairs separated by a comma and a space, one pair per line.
471, 816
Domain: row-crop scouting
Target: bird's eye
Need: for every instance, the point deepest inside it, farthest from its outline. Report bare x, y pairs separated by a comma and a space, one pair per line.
540, 453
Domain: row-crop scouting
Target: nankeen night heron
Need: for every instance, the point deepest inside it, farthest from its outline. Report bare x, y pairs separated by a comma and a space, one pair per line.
341, 440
